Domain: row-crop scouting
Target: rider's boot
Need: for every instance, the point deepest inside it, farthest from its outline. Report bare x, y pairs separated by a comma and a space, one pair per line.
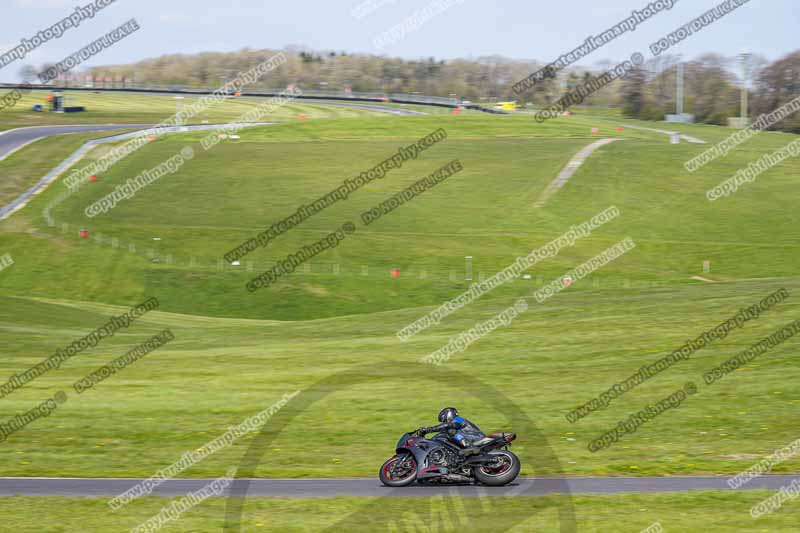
466, 452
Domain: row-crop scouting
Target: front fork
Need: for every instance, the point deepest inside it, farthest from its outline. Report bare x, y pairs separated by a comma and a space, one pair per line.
403, 463
417, 454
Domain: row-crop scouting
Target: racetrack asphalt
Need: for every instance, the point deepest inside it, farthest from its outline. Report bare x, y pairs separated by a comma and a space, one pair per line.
329, 488
13, 140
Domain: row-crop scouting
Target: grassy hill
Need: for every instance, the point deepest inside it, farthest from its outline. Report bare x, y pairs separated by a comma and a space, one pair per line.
235, 353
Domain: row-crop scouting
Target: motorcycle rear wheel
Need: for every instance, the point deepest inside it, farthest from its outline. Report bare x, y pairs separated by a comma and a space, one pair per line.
506, 471
389, 478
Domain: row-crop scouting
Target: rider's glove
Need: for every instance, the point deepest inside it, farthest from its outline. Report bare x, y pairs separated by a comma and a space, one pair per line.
422, 431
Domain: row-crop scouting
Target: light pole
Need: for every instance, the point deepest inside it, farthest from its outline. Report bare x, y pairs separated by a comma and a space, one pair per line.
679, 97
178, 110
744, 57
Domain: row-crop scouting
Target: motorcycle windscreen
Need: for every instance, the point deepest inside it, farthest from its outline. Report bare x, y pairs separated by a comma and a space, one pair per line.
402, 442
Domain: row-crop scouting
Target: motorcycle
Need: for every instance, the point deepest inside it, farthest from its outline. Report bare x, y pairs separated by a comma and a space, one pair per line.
439, 460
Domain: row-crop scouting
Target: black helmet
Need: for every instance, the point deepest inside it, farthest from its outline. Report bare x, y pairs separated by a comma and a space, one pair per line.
447, 414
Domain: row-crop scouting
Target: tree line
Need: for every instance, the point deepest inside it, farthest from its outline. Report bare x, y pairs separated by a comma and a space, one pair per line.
712, 82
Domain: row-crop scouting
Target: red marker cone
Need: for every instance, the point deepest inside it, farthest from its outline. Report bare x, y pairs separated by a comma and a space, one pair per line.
84, 234
303, 117
457, 111
396, 273
92, 178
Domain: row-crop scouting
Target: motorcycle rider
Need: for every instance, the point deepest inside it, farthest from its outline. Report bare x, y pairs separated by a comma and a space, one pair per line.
462, 431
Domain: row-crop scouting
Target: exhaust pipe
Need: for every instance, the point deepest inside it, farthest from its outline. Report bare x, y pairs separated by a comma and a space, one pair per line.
458, 477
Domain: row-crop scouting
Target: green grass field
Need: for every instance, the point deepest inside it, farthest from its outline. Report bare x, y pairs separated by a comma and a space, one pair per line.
130, 108
694, 512
235, 353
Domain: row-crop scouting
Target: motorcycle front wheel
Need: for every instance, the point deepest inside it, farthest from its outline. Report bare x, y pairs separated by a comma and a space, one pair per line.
503, 469
399, 471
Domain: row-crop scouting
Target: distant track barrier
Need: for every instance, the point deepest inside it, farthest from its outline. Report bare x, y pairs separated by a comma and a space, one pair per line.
396, 98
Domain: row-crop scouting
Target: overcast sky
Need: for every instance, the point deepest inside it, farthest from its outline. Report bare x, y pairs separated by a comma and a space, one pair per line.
522, 29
